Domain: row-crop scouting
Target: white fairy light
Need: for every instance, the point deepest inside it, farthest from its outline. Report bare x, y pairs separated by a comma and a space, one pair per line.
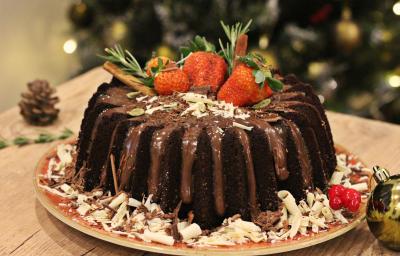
70, 46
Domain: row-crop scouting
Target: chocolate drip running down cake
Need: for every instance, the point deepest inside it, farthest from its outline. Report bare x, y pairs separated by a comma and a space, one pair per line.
217, 159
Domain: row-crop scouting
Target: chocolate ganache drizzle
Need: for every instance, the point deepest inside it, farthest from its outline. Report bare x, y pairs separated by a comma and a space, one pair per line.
159, 150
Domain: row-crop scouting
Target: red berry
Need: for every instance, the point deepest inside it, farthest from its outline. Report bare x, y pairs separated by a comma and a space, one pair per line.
336, 190
335, 203
353, 205
348, 195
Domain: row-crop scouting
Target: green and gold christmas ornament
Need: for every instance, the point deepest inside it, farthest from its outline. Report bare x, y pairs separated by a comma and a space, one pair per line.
383, 209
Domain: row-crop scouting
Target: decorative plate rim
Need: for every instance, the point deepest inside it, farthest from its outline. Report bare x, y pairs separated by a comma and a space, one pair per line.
245, 249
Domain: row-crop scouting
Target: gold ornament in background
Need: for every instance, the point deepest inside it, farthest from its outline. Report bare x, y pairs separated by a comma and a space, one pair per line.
347, 32
317, 69
383, 209
269, 56
263, 42
298, 45
164, 50
116, 33
81, 15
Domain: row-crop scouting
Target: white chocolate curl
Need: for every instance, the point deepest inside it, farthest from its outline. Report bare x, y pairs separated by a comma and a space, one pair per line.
191, 231
310, 199
336, 178
118, 200
289, 202
158, 237
363, 186
327, 214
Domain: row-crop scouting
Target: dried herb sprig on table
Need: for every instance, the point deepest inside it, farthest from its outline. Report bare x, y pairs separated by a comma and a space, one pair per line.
3, 144
41, 138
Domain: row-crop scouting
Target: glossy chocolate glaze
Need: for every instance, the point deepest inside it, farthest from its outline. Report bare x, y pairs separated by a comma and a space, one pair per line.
157, 150
322, 132
302, 154
216, 146
251, 179
168, 121
129, 155
276, 146
189, 147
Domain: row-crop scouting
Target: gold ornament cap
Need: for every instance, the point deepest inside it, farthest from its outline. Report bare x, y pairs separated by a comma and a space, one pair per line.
380, 174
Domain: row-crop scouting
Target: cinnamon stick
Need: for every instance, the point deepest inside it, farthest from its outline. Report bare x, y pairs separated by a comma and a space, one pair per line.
240, 49
128, 79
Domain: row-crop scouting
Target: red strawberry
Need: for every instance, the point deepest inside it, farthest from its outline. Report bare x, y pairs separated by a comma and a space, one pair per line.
167, 82
205, 68
241, 88
153, 63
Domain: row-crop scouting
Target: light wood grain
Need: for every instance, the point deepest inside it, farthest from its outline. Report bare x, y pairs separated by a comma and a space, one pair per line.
27, 228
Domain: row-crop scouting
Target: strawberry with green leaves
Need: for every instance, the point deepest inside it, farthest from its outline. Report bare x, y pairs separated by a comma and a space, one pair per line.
203, 65
167, 82
161, 73
205, 69
250, 82
157, 63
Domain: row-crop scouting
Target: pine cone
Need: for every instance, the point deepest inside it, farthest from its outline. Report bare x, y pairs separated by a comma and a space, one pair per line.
38, 105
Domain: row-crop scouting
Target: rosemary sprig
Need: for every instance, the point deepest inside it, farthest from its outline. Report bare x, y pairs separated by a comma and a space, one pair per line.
233, 33
41, 138
261, 71
125, 60
128, 64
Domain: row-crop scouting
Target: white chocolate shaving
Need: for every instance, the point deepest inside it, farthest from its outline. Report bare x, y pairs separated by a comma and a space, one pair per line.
327, 214
158, 237
118, 218
289, 202
83, 209
191, 231
336, 178
134, 203
310, 199
340, 217
118, 200
363, 186
312, 214
241, 126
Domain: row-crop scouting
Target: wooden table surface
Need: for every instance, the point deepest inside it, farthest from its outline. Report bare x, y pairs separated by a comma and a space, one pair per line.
27, 228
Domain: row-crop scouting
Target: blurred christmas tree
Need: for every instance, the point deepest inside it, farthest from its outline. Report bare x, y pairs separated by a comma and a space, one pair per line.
349, 51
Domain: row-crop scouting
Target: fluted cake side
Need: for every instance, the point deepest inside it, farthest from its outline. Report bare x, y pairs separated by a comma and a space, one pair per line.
219, 162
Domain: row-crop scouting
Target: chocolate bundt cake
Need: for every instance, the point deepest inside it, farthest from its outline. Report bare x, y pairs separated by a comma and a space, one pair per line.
217, 159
